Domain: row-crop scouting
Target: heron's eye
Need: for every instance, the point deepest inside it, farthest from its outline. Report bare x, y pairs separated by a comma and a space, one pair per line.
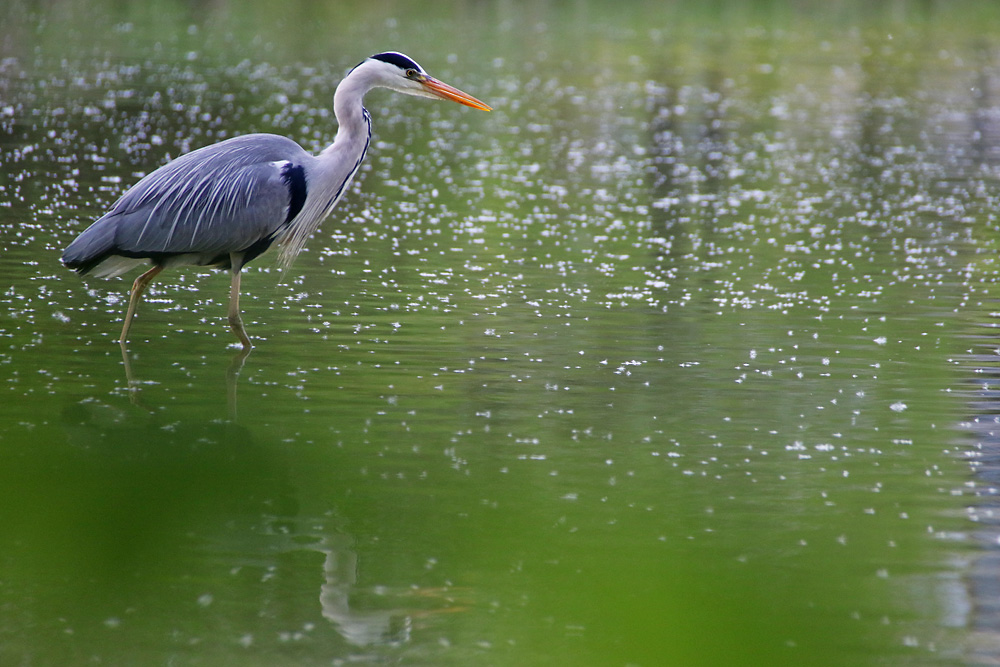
411, 73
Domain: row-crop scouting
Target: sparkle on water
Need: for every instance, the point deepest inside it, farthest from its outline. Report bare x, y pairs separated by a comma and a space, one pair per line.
685, 354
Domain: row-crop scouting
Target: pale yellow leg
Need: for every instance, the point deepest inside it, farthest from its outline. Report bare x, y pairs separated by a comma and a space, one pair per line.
138, 287
235, 321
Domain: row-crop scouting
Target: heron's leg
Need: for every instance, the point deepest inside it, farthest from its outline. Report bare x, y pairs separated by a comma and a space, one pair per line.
138, 287
235, 321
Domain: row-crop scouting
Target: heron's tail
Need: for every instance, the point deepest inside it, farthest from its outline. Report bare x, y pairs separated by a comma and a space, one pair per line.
91, 247
95, 251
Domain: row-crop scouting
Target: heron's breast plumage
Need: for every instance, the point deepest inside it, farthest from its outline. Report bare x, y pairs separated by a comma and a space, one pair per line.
328, 177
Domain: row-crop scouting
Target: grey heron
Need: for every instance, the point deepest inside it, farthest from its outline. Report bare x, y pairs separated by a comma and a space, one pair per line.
225, 204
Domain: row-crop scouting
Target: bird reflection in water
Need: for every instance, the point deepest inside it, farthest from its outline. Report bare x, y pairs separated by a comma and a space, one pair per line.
368, 627
364, 616
133, 384
359, 627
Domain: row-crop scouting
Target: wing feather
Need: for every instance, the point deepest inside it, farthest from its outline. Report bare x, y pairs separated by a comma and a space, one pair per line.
217, 200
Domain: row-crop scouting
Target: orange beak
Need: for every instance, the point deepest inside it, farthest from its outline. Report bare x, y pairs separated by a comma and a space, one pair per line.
446, 92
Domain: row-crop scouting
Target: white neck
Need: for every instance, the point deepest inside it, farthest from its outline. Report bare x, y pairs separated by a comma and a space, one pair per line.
347, 100
332, 170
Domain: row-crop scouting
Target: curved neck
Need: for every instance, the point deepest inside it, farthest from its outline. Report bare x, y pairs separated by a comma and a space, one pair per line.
330, 172
347, 106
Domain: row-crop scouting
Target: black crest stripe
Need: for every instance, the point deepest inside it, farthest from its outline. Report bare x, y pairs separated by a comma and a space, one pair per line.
397, 59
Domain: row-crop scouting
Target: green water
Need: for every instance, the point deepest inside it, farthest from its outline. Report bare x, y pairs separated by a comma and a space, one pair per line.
683, 355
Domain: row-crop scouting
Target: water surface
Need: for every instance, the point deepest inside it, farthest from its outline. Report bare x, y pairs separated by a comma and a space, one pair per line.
683, 355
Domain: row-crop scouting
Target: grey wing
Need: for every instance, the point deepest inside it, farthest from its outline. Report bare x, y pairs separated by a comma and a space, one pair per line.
226, 198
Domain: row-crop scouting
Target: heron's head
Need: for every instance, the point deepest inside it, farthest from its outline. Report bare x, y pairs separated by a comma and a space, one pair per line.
401, 73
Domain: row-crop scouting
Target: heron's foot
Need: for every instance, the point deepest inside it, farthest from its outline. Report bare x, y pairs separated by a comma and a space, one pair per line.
129, 378
131, 383
236, 324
